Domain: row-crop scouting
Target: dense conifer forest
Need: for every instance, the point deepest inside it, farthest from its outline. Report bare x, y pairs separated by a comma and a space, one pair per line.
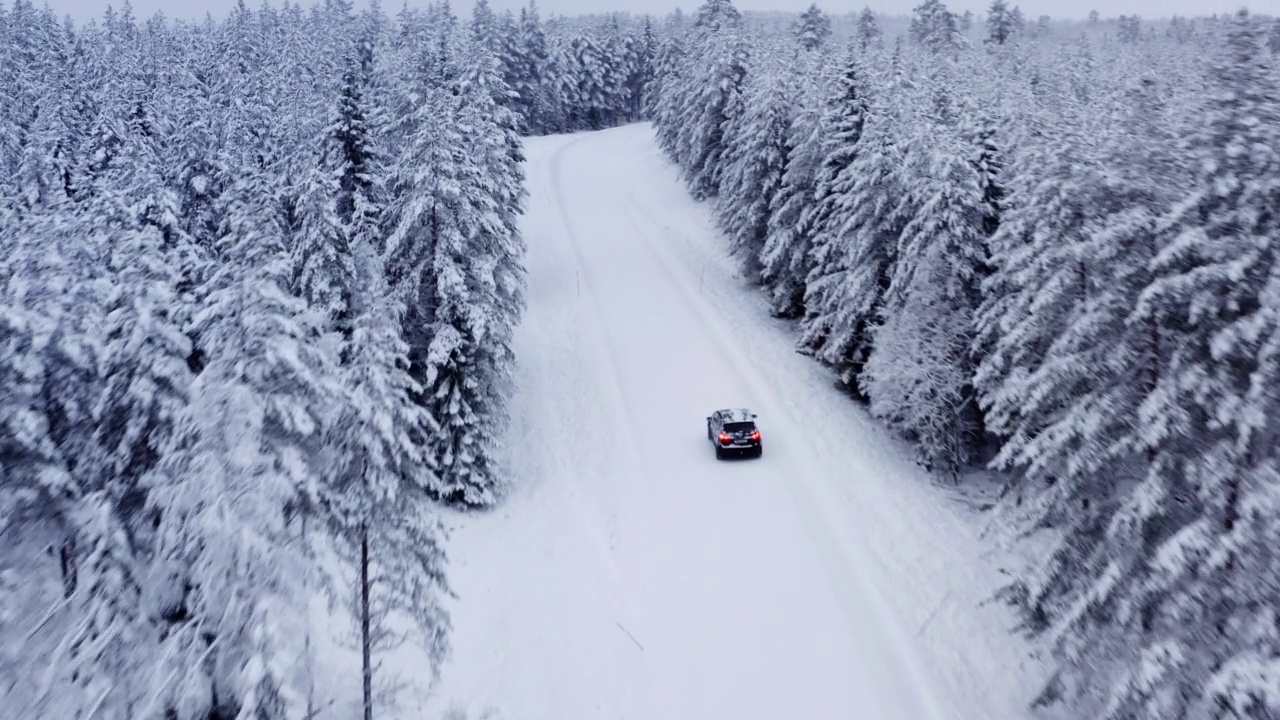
259, 277
1049, 249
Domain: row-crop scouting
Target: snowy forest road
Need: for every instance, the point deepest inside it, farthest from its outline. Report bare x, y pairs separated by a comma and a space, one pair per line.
632, 575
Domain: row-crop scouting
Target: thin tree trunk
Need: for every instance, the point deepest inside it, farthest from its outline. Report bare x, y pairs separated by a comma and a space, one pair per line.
67, 563
365, 640
311, 670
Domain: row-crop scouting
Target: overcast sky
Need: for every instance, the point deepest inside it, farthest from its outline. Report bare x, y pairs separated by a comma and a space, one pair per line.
84, 9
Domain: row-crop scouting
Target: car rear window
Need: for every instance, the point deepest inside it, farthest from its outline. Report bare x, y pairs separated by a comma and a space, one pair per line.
739, 426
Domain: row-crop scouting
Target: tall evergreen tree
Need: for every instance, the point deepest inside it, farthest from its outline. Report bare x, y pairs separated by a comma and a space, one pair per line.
813, 28
936, 28
459, 256
1184, 551
784, 259
824, 331
1000, 27
869, 33
712, 97
919, 375
754, 169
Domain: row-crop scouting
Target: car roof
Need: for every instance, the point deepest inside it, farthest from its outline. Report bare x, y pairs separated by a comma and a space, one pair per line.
736, 415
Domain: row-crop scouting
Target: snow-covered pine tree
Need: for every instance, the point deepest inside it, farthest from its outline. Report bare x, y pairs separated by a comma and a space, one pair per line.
824, 331
1099, 369
533, 102
709, 96
454, 239
869, 34
1174, 594
342, 187
1039, 280
785, 255
647, 56
586, 84
935, 28
666, 91
919, 373
755, 166
1000, 29
375, 503
228, 569
813, 28
714, 16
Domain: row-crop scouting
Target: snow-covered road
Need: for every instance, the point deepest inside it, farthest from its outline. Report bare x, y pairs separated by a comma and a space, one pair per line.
632, 575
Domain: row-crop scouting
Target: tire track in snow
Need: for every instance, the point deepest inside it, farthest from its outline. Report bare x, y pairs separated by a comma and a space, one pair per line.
632, 461
849, 580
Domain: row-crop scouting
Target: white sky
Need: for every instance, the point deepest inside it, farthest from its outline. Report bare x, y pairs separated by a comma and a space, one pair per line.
84, 9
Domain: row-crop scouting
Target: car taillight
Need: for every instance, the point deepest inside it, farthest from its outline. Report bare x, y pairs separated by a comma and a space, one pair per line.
724, 437
755, 435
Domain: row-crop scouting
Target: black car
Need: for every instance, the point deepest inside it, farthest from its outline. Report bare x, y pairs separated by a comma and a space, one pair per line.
733, 431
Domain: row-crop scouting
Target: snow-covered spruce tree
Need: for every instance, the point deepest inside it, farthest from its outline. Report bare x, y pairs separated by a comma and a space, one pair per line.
784, 258
1039, 278
666, 92
869, 35
228, 569
630, 66
375, 502
709, 96
919, 373
147, 243
828, 332
35, 51
936, 28
53, 273
755, 166
533, 101
714, 16
875, 213
589, 96
646, 56
339, 193
1101, 365
144, 393
35, 479
1000, 27
1177, 595
456, 255
813, 28
40, 495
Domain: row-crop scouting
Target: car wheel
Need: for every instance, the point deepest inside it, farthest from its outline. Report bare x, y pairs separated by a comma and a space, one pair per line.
759, 451
719, 453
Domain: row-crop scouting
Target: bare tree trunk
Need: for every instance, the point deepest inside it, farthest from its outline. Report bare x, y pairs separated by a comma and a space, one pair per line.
67, 563
311, 666
365, 638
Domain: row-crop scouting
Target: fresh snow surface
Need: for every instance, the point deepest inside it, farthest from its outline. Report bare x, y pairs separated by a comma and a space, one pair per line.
631, 574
